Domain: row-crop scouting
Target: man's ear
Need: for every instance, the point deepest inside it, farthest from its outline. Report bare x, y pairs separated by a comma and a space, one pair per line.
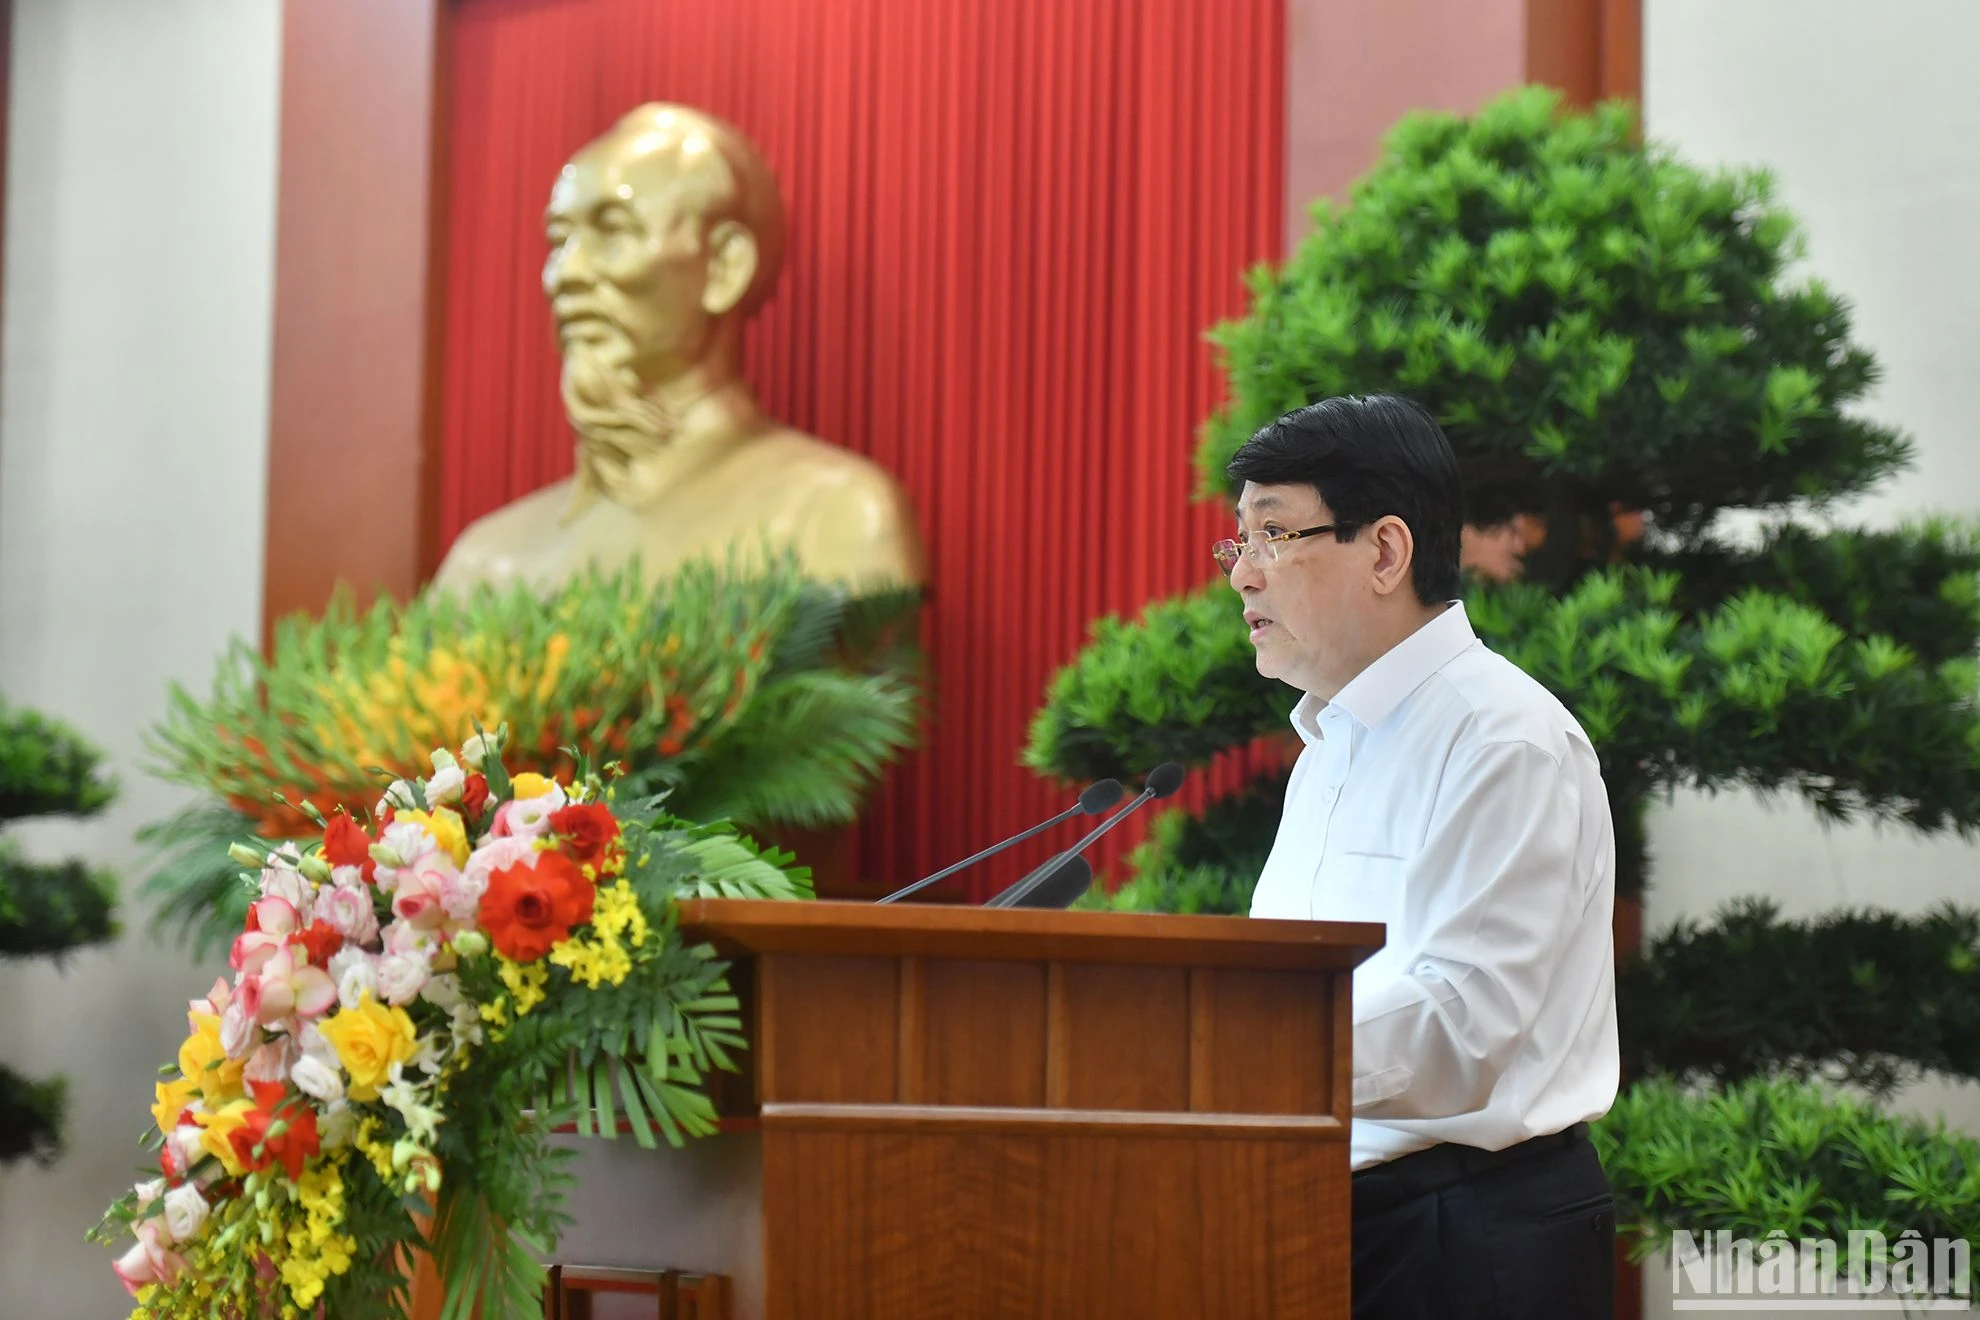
732, 261
1395, 553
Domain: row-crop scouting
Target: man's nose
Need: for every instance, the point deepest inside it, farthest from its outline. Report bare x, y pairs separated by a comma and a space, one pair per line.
1245, 575
570, 266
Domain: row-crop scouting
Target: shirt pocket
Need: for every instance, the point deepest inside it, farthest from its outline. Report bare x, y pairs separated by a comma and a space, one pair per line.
1359, 886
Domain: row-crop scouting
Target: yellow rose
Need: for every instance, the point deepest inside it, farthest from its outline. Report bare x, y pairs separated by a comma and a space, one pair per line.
173, 1097
369, 1039
218, 1127
529, 784
445, 827
205, 1064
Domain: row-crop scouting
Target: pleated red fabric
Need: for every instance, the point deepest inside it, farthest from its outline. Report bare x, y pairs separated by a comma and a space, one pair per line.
1011, 223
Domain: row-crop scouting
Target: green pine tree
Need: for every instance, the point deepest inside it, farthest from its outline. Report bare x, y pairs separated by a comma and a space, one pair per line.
46, 909
1609, 334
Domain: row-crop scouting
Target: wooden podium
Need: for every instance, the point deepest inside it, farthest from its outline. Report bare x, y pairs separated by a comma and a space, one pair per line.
969, 1114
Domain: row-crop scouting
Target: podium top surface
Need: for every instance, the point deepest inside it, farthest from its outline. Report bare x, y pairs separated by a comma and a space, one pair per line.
849, 929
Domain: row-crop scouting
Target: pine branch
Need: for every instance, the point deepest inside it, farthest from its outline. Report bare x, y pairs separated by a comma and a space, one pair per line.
47, 768
1762, 691
1777, 1155
1867, 998
31, 1117
52, 908
1591, 319
1919, 585
1178, 684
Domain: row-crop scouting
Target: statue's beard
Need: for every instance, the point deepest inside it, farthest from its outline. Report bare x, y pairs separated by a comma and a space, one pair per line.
617, 425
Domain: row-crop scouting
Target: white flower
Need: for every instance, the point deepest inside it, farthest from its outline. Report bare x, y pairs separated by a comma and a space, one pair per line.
399, 795
429, 1055
477, 749
185, 1143
403, 1096
356, 978
147, 1192
346, 875
442, 760
336, 1126
185, 1212
526, 818
317, 1079
408, 840
445, 786
401, 976
444, 992
284, 883
465, 1025
311, 1040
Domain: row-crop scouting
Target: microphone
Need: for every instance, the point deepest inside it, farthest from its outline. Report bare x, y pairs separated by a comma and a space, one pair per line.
1095, 799
1059, 887
1047, 881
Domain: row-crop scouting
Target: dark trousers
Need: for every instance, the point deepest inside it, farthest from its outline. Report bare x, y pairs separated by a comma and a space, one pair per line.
1460, 1234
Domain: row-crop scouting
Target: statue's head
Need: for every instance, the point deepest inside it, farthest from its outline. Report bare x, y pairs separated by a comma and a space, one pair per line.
665, 233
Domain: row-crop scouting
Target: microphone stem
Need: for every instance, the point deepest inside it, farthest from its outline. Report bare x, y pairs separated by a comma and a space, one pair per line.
1045, 870
991, 851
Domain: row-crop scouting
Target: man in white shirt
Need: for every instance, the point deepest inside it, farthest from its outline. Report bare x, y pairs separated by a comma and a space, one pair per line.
1448, 795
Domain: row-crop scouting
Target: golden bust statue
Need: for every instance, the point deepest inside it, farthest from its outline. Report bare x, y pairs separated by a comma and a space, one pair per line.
665, 234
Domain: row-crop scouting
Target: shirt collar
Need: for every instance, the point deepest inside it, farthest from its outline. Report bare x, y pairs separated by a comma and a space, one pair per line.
1373, 694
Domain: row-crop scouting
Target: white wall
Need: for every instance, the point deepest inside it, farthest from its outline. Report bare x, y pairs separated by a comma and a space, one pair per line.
1866, 111
133, 411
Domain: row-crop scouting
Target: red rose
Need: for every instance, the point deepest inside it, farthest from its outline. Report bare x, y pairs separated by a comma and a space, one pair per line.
296, 1144
320, 941
346, 844
589, 830
474, 796
526, 909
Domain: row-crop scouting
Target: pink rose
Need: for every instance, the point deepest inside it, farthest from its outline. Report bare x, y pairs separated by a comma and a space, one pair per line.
288, 885
417, 899
404, 937
152, 1260
214, 1004
461, 897
240, 1024
287, 987
347, 909
270, 922
271, 1063
495, 854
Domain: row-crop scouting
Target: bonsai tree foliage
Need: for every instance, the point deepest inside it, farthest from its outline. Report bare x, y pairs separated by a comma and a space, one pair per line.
1617, 346
46, 908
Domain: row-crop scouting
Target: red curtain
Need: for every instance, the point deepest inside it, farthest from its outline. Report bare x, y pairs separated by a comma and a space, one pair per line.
1011, 223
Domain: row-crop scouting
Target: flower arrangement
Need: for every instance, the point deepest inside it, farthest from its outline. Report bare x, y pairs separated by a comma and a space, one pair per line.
757, 697
418, 1001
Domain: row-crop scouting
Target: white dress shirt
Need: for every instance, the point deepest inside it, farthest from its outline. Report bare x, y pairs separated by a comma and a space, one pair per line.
1448, 795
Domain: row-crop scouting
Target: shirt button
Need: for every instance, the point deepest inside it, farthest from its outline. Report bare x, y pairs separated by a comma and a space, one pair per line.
1332, 792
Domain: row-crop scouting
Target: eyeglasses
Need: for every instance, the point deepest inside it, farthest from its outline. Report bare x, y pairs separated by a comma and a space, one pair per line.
1261, 547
